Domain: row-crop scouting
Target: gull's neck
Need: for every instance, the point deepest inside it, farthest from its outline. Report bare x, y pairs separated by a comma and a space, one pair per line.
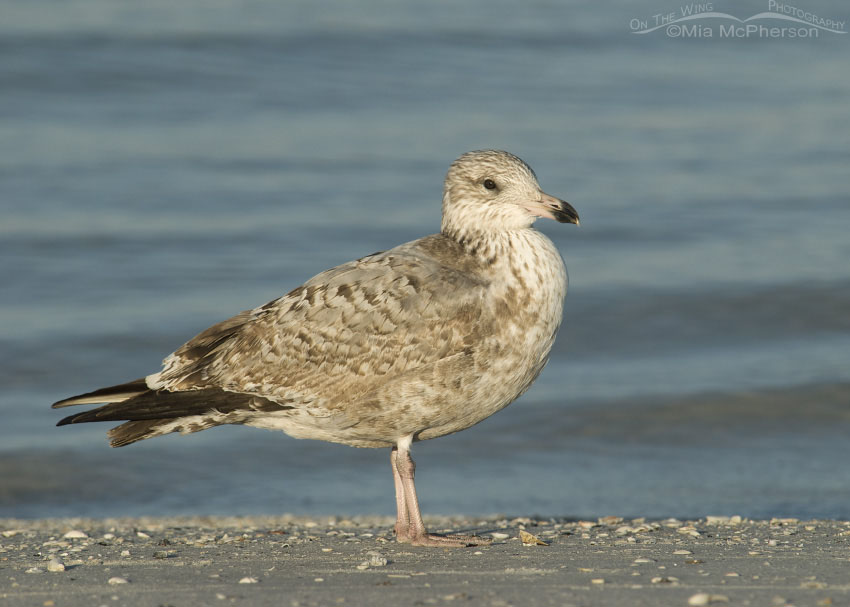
485, 245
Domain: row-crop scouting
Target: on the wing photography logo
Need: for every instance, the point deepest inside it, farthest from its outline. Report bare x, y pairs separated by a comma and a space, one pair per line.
701, 20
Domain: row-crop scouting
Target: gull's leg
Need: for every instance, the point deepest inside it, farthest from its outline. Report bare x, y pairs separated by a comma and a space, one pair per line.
409, 526
402, 522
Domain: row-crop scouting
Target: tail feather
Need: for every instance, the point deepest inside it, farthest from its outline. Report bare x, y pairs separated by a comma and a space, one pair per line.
152, 413
160, 404
131, 432
111, 394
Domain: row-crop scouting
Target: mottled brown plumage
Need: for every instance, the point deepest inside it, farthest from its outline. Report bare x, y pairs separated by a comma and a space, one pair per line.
413, 343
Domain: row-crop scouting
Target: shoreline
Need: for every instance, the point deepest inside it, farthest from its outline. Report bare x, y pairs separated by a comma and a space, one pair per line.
299, 561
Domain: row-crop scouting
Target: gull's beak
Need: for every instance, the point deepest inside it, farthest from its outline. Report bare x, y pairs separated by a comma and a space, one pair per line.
553, 208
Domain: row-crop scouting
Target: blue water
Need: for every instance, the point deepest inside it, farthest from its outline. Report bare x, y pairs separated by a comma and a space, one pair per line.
164, 166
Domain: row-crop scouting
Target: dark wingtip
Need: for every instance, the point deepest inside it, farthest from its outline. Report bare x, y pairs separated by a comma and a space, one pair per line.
105, 395
71, 419
61, 403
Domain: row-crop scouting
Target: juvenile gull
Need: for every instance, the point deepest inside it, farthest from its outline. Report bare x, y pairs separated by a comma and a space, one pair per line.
420, 341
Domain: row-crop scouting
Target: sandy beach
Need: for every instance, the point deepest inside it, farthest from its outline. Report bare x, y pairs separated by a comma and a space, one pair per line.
297, 561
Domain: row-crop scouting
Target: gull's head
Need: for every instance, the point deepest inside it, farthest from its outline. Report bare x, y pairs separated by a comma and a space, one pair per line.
492, 190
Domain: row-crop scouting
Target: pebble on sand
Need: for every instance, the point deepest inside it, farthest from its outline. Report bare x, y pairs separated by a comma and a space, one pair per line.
703, 598
114, 581
11, 532
530, 540
75, 534
376, 559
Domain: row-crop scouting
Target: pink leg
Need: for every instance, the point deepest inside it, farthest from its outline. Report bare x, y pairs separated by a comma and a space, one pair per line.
409, 528
402, 523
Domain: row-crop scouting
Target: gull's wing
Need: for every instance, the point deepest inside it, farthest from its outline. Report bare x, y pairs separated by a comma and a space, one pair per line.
341, 334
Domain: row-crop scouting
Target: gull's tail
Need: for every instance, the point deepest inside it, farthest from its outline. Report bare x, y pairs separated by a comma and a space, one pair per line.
148, 413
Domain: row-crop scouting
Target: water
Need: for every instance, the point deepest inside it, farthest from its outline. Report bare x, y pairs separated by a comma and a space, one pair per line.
163, 167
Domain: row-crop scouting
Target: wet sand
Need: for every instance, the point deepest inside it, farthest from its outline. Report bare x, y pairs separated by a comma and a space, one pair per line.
297, 561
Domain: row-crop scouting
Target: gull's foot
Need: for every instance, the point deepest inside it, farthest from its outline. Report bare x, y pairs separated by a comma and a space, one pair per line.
444, 541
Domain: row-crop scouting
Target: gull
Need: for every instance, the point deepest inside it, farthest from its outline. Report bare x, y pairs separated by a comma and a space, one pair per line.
416, 342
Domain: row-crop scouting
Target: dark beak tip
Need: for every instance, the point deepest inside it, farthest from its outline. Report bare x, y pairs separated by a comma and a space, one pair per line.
564, 219
567, 214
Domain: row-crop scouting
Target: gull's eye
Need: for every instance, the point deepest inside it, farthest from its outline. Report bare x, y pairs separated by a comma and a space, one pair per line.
489, 184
